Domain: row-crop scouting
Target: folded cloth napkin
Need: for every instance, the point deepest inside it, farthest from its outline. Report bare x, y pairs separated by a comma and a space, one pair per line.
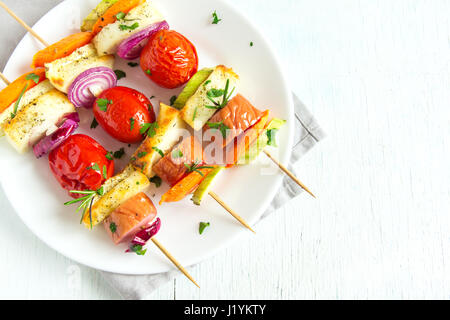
307, 134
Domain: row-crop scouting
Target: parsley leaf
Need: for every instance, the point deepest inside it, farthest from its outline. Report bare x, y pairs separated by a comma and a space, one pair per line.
103, 104
132, 121
142, 154
105, 173
109, 156
149, 129
138, 250
33, 76
156, 180
177, 154
95, 167
94, 124
216, 19
119, 154
159, 151
133, 64
120, 74
120, 15
124, 27
203, 226
219, 126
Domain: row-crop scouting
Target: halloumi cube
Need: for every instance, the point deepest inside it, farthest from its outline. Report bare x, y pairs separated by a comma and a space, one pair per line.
108, 40
133, 184
195, 112
28, 97
167, 134
63, 72
37, 119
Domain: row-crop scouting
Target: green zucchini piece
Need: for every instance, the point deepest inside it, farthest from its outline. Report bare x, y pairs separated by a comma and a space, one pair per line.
191, 87
91, 19
256, 148
205, 186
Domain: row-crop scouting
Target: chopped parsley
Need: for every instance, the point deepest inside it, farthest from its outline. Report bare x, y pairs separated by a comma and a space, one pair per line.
138, 250
149, 129
150, 107
172, 100
113, 227
156, 180
271, 137
16, 105
103, 104
159, 151
203, 226
148, 72
105, 173
206, 83
124, 27
109, 156
94, 124
216, 19
251, 44
132, 121
177, 154
120, 74
219, 126
119, 153
133, 64
120, 15
95, 167
142, 154
34, 77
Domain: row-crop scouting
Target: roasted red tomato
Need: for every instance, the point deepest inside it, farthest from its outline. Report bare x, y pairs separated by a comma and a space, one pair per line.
169, 59
122, 111
80, 163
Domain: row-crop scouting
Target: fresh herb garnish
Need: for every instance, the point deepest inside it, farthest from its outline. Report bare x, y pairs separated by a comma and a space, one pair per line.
94, 124
271, 137
124, 27
113, 227
16, 105
132, 121
95, 167
152, 97
196, 167
103, 104
251, 44
86, 201
148, 72
133, 64
159, 151
206, 83
138, 250
176, 154
219, 126
120, 74
105, 173
142, 154
109, 156
133, 159
216, 19
34, 77
203, 226
119, 153
217, 93
120, 15
138, 183
150, 107
172, 100
156, 180
149, 129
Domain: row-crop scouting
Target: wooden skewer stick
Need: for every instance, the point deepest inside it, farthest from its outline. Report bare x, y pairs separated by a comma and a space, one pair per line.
5, 80
289, 173
23, 23
230, 211
227, 208
174, 261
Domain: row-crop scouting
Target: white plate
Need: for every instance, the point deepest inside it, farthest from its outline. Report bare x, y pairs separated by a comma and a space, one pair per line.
38, 199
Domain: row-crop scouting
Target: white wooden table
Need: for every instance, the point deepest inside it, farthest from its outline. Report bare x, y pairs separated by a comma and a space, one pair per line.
376, 75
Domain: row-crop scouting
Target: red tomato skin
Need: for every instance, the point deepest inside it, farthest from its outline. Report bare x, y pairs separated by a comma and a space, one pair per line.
69, 164
169, 59
126, 104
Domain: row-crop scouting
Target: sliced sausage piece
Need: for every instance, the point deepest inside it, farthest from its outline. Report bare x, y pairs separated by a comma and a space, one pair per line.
172, 167
130, 217
238, 115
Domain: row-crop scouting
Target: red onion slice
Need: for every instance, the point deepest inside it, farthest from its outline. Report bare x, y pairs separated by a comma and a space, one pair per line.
141, 238
89, 84
131, 48
53, 140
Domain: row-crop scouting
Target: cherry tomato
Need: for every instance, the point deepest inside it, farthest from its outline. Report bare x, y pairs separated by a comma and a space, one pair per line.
122, 111
169, 59
80, 163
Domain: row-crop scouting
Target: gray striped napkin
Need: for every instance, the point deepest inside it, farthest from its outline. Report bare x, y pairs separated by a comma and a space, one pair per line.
307, 134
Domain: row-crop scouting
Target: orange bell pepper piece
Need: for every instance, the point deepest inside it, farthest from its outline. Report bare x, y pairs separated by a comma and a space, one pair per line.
62, 48
109, 16
185, 186
12, 92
